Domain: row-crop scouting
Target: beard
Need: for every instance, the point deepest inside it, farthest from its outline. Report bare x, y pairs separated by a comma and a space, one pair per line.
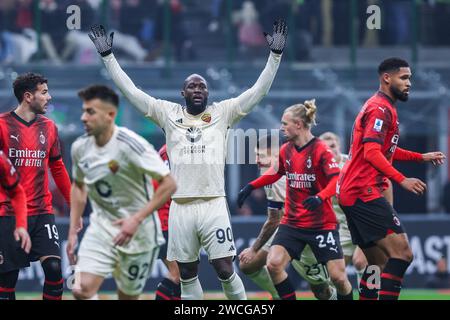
399, 95
194, 108
37, 108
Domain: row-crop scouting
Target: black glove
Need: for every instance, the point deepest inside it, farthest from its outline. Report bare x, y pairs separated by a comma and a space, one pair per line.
100, 40
244, 193
277, 40
312, 203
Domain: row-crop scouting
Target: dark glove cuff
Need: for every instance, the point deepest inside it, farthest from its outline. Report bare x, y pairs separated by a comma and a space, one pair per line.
106, 53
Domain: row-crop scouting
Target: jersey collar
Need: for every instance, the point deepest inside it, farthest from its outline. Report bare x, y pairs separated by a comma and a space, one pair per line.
310, 142
28, 124
384, 95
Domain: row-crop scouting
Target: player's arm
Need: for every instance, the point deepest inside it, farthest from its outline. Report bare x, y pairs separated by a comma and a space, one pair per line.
270, 177
139, 99
245, 102
149, 163
437, 157
19, 203
330, 169
61, 178
373, 155
10, 183
129, 226
267, 230
78, 195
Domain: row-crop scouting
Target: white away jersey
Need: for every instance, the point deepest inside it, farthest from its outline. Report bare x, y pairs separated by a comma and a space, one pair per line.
196, 145
118, 179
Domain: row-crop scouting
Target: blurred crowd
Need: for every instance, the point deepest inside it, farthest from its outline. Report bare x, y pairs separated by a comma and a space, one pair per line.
33, 30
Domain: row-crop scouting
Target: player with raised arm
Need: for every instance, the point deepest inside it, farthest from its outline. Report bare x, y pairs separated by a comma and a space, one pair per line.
15, 241
311, 175
254, 258
31, 142
373, 222
196, 145
113, 166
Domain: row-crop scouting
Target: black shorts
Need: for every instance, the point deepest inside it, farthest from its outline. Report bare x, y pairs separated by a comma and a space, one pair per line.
12, 257
324, 244
163, 249
371, 221
44, 237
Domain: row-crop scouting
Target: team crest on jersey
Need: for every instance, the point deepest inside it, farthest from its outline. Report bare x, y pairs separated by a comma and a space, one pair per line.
193, 134
113, 165
206, 117
309, 163
41, 138
378, 125
396, 221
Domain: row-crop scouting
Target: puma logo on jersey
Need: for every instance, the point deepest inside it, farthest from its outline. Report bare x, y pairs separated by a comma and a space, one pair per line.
382, 109
288, 162
334, 249
14, 137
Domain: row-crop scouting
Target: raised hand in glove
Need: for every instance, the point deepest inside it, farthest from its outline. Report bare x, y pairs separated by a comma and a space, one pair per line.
312, 203
244, 193
277, 40
102, 42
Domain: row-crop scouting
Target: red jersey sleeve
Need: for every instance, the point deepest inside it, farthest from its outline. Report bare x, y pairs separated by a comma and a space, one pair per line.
9, 177
376, 123
328, 163
55, 150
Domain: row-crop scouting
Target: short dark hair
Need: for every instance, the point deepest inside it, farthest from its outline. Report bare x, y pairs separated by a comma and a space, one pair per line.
27, 82
392, 64
98, 91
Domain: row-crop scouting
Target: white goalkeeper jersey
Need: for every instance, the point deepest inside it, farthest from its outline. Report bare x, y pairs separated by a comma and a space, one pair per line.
196, 145
118, 180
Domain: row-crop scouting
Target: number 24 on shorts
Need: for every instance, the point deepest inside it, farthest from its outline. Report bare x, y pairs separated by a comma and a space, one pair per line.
330, 240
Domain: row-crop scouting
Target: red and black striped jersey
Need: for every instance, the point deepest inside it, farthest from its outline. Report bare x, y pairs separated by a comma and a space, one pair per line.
308, 170
30, 146
376, 122
8, 180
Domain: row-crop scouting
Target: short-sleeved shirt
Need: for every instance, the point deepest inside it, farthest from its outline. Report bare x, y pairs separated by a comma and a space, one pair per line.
8, 180
376, 122
308, 170
119, 177
31, 146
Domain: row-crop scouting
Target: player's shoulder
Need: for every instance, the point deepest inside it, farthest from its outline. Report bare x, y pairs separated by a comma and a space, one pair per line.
131, 141
379, 103
5, 116
80, 142
47, 121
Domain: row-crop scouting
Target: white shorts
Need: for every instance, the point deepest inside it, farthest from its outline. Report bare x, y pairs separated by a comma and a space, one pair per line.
310, 269
346, 240
197, 224
98, 256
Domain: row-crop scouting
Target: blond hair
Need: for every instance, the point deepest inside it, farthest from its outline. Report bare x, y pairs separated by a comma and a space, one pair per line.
305, 112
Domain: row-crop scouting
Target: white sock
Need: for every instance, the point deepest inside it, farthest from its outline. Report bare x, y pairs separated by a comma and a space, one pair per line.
191, 289
264, 281
333, 293
234, 288
94, 297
